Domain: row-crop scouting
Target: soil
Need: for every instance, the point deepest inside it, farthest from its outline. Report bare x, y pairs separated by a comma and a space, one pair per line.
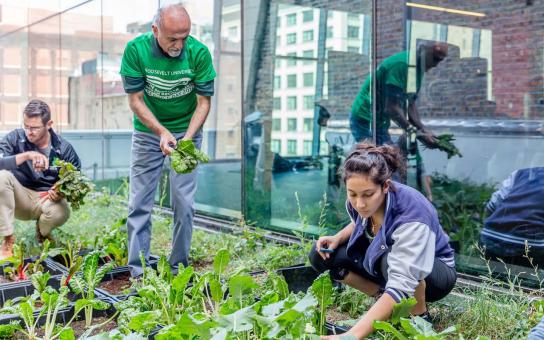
118, 285
4, 279
260, 278
79, 328
334, 315
202, 266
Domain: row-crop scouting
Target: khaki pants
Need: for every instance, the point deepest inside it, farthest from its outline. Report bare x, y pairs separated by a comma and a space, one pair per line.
16, 201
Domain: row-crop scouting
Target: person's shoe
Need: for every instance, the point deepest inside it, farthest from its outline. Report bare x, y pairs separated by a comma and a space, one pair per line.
41, 238
426, 316
6, 250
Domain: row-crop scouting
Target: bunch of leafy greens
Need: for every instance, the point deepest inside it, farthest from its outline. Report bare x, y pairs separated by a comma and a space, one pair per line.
185, 157
445, 143
72, 184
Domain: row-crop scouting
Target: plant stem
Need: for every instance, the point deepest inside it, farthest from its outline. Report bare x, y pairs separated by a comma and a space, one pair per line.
88, 316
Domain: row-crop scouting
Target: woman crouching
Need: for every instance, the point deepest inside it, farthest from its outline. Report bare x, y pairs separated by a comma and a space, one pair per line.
394, 247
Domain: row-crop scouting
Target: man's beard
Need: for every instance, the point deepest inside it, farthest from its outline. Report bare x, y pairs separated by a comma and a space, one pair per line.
174, 54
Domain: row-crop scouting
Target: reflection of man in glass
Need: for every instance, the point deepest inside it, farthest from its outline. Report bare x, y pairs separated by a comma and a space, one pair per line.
391, 95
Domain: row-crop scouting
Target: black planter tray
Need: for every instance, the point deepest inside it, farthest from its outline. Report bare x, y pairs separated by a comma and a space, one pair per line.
333, 329
49, 267
116, 273
298, 277
25, 288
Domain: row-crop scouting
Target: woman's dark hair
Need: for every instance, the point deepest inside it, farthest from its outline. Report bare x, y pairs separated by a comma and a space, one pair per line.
377, 162
38, 108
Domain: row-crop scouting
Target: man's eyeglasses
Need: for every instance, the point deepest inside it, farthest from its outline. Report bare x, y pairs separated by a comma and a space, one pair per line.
33, 128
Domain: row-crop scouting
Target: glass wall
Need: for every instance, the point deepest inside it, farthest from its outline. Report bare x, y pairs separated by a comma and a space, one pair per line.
68, 53
459, 89
301, 81
487, 92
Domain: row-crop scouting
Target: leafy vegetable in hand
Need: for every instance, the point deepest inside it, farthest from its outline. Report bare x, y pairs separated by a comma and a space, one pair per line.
72, 184
185, 157
445, 143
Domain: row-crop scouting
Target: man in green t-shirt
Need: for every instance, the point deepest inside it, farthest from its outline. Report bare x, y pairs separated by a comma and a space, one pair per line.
169, 78
391, 96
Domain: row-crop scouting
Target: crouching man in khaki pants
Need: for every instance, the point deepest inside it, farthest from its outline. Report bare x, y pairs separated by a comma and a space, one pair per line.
25, 173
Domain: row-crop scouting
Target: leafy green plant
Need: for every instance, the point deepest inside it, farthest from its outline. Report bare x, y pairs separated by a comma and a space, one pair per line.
322, 290
240, 316
185, 157
461, 209
352, 301
21, 269
39, 281
116, 335
70, 251
85, 281
160, 300
53, 302
8, 330
72, 184
114, 242
71, 257
402, 327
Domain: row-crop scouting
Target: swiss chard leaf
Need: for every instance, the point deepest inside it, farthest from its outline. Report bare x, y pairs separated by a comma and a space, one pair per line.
72, 184
388, 328
240, 285
145, 322
8, 330
187, 326
185, 157
402, 309
221, 261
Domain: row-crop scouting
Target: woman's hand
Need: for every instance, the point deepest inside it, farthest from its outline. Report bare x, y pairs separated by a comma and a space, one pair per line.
329, 242
338, 336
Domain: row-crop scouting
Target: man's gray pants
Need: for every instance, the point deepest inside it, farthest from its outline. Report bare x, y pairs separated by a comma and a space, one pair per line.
145, 172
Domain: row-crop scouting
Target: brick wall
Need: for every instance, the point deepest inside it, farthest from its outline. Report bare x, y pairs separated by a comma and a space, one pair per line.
458, 87
517, 62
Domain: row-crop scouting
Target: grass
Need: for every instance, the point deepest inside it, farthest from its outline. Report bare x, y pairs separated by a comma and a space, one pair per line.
486, 312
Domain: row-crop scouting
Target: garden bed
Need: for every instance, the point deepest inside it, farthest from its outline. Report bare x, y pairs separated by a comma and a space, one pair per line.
48, 267
103, 320
117, 284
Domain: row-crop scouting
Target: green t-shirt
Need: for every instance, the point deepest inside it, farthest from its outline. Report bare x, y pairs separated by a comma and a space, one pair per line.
393, 71
169, 82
